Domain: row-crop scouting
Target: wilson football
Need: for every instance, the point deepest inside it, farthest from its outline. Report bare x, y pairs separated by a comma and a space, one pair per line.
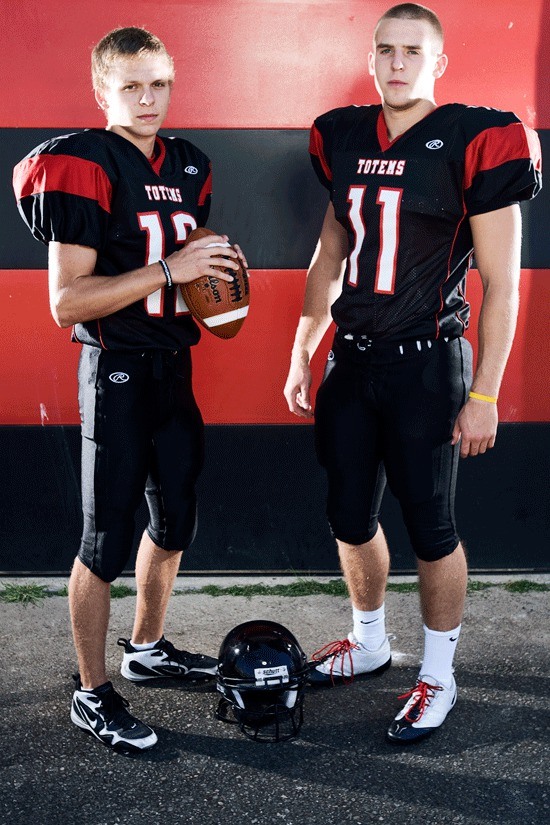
218, 305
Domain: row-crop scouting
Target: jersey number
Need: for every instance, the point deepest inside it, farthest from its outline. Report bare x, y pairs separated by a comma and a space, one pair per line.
390, 202
150, 222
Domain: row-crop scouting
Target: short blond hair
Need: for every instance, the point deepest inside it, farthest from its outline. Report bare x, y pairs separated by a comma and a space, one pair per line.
131, 41
413, 11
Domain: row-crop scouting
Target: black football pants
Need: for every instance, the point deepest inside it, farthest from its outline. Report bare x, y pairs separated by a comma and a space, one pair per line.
386, 412
141, 432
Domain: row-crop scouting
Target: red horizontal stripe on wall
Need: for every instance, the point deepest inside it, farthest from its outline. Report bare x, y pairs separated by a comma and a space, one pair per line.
262, 64
524, 392
52, 173
239, 381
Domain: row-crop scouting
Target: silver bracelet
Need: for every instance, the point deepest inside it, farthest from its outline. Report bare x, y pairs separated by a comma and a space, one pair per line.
167, 275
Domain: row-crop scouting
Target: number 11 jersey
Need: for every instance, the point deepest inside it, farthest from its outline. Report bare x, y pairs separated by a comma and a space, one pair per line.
405, 207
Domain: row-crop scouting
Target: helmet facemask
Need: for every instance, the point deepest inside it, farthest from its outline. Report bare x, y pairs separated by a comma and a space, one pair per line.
270, 716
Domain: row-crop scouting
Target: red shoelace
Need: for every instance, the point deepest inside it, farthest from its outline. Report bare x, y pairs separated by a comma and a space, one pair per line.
422, 693
338, 650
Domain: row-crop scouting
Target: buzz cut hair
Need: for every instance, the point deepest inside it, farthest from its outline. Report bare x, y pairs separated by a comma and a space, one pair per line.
130, 41
413, 11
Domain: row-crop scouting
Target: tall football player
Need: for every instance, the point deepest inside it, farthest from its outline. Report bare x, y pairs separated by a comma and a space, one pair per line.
415, 189
115, 206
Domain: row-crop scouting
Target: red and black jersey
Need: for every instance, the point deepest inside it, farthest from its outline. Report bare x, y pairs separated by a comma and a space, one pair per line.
96, 189
405, 207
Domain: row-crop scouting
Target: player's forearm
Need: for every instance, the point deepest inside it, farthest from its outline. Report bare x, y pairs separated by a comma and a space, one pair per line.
316, 317
314, 322
309, 334
88, 297
323, 286
497, 248
324, 283
496, 328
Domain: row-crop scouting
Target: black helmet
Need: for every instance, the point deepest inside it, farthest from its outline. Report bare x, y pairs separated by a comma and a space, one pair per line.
262, 675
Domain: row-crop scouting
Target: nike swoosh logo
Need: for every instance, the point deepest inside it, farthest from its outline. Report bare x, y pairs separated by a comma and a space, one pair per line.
371, 621
453, 638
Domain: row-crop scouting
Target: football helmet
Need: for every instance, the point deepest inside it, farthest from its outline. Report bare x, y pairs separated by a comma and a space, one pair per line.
262, 676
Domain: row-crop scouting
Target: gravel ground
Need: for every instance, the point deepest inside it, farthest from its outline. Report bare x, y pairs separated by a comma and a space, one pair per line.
488, 764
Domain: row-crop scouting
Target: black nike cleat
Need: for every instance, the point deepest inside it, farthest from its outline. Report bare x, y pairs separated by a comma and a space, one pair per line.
103, 713
165, 661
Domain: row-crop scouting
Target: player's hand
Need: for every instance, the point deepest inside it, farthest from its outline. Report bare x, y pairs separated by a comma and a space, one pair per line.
475, 427
198, 258
240, 253
297, 389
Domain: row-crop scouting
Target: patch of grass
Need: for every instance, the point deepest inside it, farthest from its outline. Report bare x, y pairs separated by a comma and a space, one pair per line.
302, 587
119, 591
23, 593
475, 587
403, 587
32, 593
526, 586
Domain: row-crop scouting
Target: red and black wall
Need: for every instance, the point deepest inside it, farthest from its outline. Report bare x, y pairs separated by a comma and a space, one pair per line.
251, 76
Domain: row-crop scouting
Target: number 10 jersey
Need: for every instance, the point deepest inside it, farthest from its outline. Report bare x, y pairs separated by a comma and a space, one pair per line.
96, 189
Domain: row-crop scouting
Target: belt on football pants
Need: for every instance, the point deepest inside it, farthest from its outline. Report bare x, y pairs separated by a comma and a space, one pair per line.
362, 343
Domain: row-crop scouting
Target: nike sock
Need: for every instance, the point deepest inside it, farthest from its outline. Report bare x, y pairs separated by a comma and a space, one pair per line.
369, 627
100, 688
439, 650
147, 646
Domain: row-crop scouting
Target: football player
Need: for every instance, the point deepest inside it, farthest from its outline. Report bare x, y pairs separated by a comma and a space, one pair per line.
115, 206
415, 190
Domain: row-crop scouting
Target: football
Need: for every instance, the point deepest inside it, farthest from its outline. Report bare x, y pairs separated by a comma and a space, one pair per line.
218, 305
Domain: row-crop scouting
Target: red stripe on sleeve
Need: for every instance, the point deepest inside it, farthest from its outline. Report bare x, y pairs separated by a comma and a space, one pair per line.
498, 145
62, 173
206, 189
316, 148
535, 150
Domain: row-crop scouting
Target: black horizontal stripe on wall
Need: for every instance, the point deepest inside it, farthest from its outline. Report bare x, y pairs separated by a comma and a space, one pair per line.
261, 509
266, 197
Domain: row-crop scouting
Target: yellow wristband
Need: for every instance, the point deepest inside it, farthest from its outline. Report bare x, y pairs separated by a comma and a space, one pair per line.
489, 398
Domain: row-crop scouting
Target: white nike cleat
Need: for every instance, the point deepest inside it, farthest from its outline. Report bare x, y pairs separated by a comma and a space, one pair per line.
428, 704
346, 660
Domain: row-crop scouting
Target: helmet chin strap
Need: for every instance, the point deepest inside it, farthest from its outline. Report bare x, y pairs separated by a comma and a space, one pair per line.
238, 698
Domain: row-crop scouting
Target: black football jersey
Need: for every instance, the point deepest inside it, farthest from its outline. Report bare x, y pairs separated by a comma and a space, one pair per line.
405, 207
96, 189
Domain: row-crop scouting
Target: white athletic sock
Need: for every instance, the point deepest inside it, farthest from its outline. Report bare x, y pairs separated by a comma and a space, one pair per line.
369, 627
147, 646
439, 650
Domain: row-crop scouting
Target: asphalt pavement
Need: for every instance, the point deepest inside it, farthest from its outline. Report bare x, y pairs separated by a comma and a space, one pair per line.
489, 763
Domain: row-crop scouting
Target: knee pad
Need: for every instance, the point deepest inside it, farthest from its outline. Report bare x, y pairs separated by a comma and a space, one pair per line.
173, 532
431, 543
435, 553
431, 528
106, 569
355, 538
106, 552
